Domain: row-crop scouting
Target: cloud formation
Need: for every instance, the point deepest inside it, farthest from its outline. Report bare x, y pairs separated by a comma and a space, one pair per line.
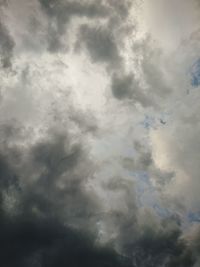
6, 46
100, 45
99, 133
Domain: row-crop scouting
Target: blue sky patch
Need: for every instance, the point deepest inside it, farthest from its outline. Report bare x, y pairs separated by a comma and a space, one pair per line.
195, 74
194, 217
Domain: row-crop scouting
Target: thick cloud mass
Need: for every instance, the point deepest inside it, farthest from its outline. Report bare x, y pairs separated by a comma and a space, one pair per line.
99, 133
99, 44
6, 46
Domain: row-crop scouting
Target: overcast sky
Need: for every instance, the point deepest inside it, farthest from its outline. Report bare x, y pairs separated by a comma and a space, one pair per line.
99, 133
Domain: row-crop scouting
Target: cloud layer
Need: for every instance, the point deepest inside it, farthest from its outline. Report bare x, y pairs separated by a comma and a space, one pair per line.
99, 133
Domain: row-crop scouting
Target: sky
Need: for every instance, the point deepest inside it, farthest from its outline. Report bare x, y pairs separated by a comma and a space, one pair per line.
99, 133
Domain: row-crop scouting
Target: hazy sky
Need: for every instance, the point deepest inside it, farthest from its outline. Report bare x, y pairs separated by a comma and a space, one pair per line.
99, 133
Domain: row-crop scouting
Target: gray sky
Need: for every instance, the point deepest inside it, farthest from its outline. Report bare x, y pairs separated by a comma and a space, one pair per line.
99, 133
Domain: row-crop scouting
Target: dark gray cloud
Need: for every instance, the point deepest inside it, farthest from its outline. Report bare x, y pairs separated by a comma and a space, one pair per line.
50, 173
125, 87
53, 40
152, 87
122, 86
100, 44
39, 234
47, 180
61, 13
57, 173
64, 10
162, 247
6, 46
47, 243
121, 8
